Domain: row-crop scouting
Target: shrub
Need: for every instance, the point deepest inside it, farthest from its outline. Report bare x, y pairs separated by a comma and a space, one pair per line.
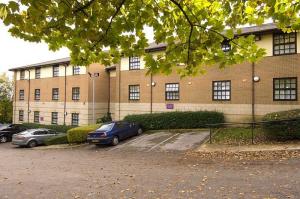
104, 119
60, 139
57, 128
176, 120
79, 134
283, 130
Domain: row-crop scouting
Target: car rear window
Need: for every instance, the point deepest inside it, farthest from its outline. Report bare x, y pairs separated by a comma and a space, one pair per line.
106, 127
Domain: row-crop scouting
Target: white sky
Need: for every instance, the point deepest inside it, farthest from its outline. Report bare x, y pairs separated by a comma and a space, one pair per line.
15, 52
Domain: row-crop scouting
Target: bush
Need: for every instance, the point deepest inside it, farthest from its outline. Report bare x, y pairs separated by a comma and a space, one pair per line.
104, 119
57, 128
60, 139
176, 120
79, 134
283, 130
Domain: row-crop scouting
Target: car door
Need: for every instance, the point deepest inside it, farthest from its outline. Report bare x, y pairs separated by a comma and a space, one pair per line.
121, 131
40, 135
50, 133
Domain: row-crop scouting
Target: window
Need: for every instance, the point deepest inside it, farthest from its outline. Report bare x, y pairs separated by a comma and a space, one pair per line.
75, 119
21, 95
54, 117
40, 133
222, 90
134, 92
22, 74
37, 73
36, 117
284, 43
76, 70
285, 89
226, 47
55, 71
134, 63
37, 94
21, 115
172, 91
55, 93
76, 93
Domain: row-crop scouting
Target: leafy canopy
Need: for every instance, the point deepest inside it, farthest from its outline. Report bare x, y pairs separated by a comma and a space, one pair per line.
192, 29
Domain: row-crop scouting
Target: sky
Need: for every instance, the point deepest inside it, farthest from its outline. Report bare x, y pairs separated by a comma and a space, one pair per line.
15, 52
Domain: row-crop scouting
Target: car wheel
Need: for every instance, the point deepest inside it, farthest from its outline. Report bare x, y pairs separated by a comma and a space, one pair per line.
32, 144
3, 139
115, 141
140, 131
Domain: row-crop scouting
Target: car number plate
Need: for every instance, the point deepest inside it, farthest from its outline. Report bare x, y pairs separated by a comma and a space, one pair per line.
95, 140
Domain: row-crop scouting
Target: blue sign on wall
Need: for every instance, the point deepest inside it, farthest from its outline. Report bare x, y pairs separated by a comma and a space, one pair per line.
170, 106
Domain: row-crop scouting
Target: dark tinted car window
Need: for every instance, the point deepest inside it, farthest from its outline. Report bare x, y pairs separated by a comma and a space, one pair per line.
51, 132
40, 132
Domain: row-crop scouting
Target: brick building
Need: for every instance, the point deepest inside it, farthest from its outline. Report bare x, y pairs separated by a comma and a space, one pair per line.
56, 92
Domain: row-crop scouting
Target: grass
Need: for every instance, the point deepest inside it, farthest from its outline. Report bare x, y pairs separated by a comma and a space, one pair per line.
238, 135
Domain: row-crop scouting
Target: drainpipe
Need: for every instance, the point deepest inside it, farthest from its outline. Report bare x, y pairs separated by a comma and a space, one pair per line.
28, 111
15, 97
120, 92
65, 99
108, 105
253, 92
151, 93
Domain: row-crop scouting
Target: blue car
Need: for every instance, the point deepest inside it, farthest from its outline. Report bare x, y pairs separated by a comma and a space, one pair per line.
113, 132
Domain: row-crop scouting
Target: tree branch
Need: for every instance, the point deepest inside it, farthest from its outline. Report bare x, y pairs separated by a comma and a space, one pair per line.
110, 23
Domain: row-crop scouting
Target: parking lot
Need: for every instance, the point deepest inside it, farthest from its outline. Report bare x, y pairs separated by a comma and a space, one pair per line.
162, 141
147, 166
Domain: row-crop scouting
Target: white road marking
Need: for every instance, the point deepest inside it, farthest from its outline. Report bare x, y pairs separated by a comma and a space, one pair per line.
162, 142
127, 143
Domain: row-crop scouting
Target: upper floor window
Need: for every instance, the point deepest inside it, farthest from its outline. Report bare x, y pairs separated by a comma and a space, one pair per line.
75, 119
37, 73
226, 46
55, 71
284, 43
21, 95
134, 92
76, 70
54, 117
55, 93
21, 115
222, 90
36, 117
37, 94
134, 63
172, 91
285, 89
22, 74
76, 93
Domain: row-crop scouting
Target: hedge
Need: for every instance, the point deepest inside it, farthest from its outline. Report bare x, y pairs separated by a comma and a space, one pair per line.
57, 128
283, 130
60, 139
176, 120
79, 134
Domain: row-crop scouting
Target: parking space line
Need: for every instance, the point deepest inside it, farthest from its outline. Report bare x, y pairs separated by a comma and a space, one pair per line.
162, 142
127, 143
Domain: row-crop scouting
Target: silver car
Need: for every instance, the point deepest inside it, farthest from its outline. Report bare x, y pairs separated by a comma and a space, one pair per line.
33, 137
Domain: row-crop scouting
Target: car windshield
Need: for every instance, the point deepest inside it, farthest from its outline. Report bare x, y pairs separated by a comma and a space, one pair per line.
106, 127
29, 131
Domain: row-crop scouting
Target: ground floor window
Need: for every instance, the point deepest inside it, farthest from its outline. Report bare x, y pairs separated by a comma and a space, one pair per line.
134, 92
54, 118
21, 115
36, 117
75, 119
222, 90
172, 91
285, 89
